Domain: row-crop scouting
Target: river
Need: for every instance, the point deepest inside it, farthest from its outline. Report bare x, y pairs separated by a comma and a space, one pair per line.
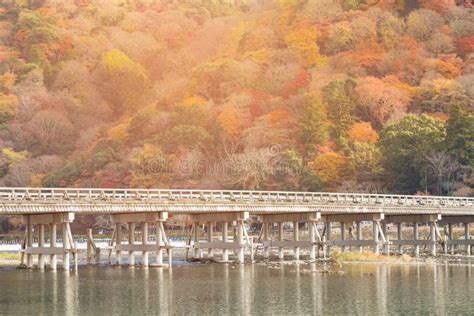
199, 289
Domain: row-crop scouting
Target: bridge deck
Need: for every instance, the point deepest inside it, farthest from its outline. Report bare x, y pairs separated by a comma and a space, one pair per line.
105, 201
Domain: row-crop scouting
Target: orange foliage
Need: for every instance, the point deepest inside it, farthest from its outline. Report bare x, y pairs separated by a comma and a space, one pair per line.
194, 100
330, 168
279, 119
8, 80
362, 132
232, 121
447, 69
119, 132
439, 116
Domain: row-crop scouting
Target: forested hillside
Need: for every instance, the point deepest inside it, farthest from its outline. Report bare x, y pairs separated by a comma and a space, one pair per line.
334, 95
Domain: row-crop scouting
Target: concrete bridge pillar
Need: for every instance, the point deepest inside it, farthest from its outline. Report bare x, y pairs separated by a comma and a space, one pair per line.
145, 257
225, 239
240, 241
467, 237
41, 244
312, 239
118, 243
210, 238
281, 253
343, 235
197, 250
131, 242
433, 237
416, 237
265, 239
359, 235
328, 238
296, 238
399, 236
53, 237
375, 232
450, 248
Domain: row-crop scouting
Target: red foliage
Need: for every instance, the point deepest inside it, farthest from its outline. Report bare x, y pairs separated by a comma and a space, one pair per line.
439, 6
258, 103
408, 63
302, 79
466, 45
110, 181
369, 58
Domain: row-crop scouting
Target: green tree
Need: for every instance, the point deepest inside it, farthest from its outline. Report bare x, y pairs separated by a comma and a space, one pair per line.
460, 133
314, 125
340, 107
405, 146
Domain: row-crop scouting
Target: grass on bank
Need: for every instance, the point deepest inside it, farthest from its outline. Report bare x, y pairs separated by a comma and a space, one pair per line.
366, 256
10, 256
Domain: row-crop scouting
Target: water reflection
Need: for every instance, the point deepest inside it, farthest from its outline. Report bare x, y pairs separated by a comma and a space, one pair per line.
241, 289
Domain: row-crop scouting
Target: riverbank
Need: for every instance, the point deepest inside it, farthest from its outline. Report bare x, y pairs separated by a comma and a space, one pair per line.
9, 259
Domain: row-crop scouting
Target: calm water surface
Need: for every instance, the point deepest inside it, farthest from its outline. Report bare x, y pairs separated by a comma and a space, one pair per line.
241, 289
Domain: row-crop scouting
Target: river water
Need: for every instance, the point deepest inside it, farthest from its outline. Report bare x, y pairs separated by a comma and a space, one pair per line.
199, 289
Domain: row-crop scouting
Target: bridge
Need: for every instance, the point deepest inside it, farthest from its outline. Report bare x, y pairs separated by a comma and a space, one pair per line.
317, 212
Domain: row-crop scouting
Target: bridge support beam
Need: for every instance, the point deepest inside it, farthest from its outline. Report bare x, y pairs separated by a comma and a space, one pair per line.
240, 242
132, 220
41, 221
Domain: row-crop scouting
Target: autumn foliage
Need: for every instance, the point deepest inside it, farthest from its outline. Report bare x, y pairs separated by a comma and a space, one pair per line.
281, 95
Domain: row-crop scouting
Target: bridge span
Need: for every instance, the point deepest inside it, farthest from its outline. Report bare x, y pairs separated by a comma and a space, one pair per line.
222, 211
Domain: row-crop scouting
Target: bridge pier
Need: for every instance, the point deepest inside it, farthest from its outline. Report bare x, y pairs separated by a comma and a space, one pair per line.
131, 220
451, 242
211, 220
50, 220
379, 238
431, 242
296, 244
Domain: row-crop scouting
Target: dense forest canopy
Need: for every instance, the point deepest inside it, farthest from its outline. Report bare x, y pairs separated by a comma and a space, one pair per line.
334, 95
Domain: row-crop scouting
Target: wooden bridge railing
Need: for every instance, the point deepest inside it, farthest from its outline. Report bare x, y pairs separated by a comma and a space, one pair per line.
85, 194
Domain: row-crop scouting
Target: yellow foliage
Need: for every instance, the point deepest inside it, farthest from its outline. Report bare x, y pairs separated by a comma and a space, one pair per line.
304, 42
288, 8
260, 56
194, 100
242, 30
362, 132
8, 80
119, 132
36, 180
117, 61
14, 157
8, 107
330, 168
446, 87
